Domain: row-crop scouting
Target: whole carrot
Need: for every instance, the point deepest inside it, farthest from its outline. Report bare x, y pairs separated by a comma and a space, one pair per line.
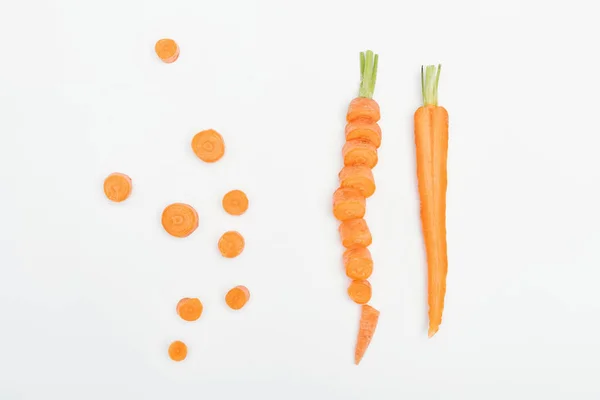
431, 142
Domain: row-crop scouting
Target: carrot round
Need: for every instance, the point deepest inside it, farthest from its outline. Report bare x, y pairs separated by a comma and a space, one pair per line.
117, 187
189, 309
237, 297
358, 177
235, 202
360, 291
208, 145
231, 244
167, 50
358, 263
363, 108
348, 203
359, 152
179, 219
178, 351
355, 233
369, 317
431, 143
364, 129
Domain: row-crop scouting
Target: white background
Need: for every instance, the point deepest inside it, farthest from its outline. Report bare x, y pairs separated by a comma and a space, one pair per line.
88, 288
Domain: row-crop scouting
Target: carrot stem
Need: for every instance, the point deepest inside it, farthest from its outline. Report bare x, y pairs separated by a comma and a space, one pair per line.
429, 84
368, 73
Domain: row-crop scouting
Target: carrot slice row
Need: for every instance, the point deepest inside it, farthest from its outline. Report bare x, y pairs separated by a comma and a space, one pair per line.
117, 187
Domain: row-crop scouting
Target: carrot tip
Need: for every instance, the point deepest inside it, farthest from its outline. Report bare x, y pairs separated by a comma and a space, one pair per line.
430, 78
433, 331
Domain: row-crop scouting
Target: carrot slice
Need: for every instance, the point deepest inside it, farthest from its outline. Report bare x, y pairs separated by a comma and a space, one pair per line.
117, 187
359, 177
360, 291
179, 219
360, 152
237, 297
364, 129
167, 50
358, 263
189, 309
348, 203
363, 108
235, 202
208, 145
369, 317
355, 233
231, 244
178, 351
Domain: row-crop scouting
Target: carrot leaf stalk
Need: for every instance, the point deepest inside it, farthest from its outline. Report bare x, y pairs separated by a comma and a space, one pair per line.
368, 73
429, 84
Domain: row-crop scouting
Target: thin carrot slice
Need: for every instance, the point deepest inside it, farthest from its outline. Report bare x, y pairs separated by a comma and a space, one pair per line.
179, 219
235, 202
360, 291
363, 108
369, 317
189, 309
355, 233
358, 263
208, 145
237, 297
117, 187
364, 129
231, 244
178, 351
360, 152
167, 50
359, 177
348, 203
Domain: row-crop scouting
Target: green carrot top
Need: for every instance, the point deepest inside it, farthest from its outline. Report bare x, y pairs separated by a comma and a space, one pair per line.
429, 84
368, 73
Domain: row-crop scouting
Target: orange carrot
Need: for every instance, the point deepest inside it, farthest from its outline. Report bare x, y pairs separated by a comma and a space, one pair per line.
364, 129
363, 108
368, 322
235, 202
431, 142
348, 203
167, 50
179, 219
359, 152
359, 177
360, 291
355, 233
117, 187
358, 263
237, 297
231, 244
208, 145
178, 351
189, 309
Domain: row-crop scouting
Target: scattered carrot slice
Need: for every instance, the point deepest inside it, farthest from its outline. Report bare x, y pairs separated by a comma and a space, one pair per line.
189, 309
235, 202
348, 203
355, 233
117, 187
363, 108
358, 263
368, 322
364, 129
360, 152
179, 219
167, 50
208, 145
178, 351
359, 177
360, 291
237, 297
231, 244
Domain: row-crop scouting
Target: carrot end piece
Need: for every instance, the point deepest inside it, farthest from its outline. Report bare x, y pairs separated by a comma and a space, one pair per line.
368, 73
430, 78
433, 331
369, 317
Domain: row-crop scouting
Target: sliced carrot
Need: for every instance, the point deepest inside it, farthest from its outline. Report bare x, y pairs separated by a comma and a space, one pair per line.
358, 177
348, 203
364, 129
235, 202
237, 297
179, 219
189, 309
178, 351
369, 317
355, 233
360, 152
360, 291
358, 263
363, 108
231, 244
167, 50
208, 145
117, 187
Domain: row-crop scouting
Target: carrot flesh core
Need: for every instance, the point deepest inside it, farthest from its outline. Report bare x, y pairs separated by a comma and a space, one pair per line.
235, 202
208, 145
369, 317
117, 187
177, 351
348, 203
179, 220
